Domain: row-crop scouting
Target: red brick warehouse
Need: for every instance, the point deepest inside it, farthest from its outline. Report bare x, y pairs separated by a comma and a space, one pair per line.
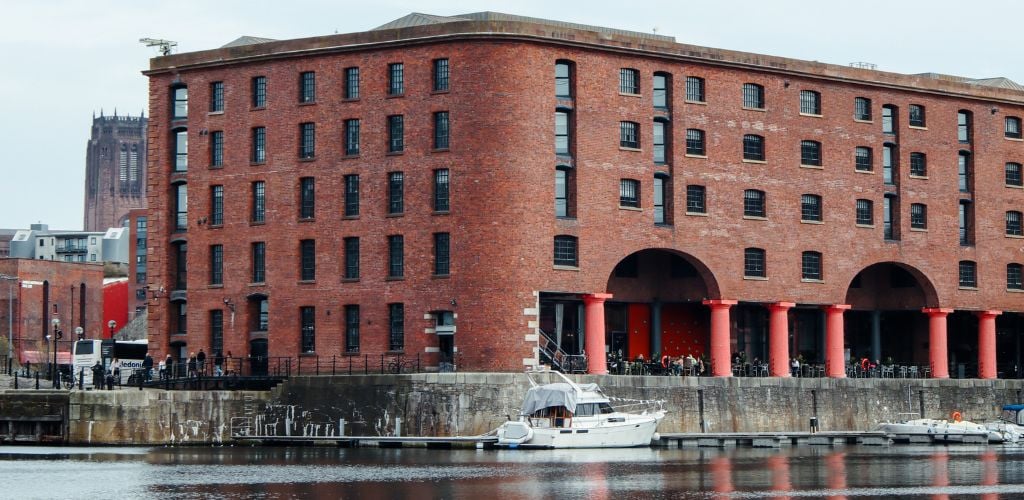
469, 188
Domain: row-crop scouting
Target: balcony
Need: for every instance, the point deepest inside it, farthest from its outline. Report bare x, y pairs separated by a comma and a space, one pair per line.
72, 249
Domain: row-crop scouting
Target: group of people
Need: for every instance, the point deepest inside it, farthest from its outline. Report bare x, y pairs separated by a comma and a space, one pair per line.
193, 367
683, 365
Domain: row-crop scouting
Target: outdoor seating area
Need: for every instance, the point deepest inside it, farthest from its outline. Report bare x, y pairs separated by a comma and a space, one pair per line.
687, 366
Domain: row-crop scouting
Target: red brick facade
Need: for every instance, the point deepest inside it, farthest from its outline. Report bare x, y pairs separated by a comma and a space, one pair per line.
501, 103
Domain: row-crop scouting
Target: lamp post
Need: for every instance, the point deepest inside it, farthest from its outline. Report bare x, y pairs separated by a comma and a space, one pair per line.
112, 325
79, 333
56, 335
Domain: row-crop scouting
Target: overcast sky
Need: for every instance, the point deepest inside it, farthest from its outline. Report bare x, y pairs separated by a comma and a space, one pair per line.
63, 60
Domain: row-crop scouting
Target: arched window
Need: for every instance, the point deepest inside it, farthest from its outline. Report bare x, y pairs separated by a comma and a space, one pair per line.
753, 203
753, 147
753, 96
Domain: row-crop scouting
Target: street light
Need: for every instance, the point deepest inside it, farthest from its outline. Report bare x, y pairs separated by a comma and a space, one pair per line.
112, 324
79, 332
56, 335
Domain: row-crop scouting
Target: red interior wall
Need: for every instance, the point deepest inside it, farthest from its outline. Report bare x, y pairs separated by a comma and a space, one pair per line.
638, 324
684, 329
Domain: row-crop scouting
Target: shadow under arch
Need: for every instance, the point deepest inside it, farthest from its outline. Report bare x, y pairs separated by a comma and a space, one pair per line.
891, 285
664, 274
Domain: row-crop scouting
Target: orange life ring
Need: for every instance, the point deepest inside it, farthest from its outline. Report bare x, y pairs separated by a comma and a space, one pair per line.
956, 416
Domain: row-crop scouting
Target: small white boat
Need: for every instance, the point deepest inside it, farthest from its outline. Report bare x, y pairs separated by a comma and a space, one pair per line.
1010, 423
569, 415
930, 429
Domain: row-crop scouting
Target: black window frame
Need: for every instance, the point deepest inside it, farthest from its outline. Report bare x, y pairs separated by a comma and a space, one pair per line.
810, 102
352, 137
180, 150
916, 116
890, 116
863, 159
862, 109
629, 81
396, 256
216, 97
352, 83
753, 147
1012, 128
964, 172
964, 121
351, 249
754, 263
259, 202
695, 89
307, 318
396, 79
660, 93
563, 81
307, 198
217, 264
442, 254
216, 148
967, 274
918, 216
810, 266
396, 327
351, 328
890, 218
216, 331
661, 199
1014, 276
258, 256
351, 195
442, 130
1014, 223
563, 138
629, 193
753, 96
259, 92
441, 75
217, 205
754, 203
659, 131
695, 143
259, 145
1013, 174
307, 260
696, 199
566, 250
307, 87
442, 190
396, 193
865, 212
179, 102
890, 156
396, 134
629, 135
918, 164
810, 153
810, 208
307, 140
564, 202
965, 222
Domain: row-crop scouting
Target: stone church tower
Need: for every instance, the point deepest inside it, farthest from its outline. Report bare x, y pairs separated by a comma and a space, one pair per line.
115, 171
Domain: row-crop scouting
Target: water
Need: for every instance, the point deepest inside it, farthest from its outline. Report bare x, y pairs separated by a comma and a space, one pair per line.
278, 473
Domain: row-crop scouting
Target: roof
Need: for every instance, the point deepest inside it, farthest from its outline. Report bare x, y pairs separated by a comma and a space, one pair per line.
247, 40
997, 82
420, 19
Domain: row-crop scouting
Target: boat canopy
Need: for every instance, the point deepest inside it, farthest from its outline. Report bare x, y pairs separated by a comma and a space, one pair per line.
551, 395
1013, 407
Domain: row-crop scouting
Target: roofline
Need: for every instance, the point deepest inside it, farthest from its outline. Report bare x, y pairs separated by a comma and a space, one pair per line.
548, 35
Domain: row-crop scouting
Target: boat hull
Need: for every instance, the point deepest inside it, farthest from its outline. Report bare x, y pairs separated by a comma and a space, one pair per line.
637, 430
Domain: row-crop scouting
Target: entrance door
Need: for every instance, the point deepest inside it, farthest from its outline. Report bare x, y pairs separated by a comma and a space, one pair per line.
258, 361
445, 329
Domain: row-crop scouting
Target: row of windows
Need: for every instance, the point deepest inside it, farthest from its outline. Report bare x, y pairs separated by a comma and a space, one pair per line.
753, 96
307, 88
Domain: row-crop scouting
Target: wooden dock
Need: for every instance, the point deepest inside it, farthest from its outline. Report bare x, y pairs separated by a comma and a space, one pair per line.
772, 439
443, 442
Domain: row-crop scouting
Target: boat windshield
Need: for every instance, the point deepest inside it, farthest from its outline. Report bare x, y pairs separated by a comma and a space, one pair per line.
592, 409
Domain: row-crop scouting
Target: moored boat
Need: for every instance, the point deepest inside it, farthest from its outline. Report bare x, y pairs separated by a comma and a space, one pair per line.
565, 414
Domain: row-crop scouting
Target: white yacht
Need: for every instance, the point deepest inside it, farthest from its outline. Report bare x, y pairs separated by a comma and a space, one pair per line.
1010, 423
569, 415
955, 431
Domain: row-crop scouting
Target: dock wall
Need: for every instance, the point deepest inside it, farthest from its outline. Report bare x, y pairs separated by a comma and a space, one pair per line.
475, 403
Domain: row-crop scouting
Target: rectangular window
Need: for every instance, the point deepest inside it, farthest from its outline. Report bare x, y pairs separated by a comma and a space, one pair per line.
442, 258
964, 172
629, 193
753, 203
259, 202
216, 264
352, 137
865, 212
352, 83
181, 318
810, 153
918, 216
351, 195
262, 310
810, 268
396, 322
629, 135
440, 75
396, 79
695, 142
753, 147
259, 144
307, 198
862, 109
352, 258
1012, 128
216, 331
1013, 175
216, 148
181, 278
259, 91
810, 208
308, 315
396, 193
659, 93
753, 96
658, 142
888, 119
307, 140
180, 207
968, 274
695, 199
1014, 277
965, 219
563, 79
181, 151
629, 81
180, 103
1013, 223
307, 264
259, 258
216, 205
351, 328
754, 263
889, 218
307, 87
441, 130
396, 134
566, 251
694, 89
863, 159
888, 164
561, 132
216, 97
660, 197
915, 115
441, 201
963, 127
918, 165
396, 256
810, 102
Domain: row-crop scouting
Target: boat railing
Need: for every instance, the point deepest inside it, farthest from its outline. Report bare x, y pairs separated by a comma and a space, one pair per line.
637, 405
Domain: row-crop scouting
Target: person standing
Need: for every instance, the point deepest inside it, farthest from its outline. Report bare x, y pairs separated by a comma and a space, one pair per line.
218, 364
192, 365
170, 366
97, 376
201, 362
147, 368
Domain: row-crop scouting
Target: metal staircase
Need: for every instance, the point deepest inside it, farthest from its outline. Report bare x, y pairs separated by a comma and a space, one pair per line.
558, 358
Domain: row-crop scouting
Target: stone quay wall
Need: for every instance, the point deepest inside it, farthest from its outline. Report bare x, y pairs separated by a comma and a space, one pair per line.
475, 403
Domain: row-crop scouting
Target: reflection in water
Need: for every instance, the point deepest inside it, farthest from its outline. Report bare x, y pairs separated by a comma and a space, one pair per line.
797, 472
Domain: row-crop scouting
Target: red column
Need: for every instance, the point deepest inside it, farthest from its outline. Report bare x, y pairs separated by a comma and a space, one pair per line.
778, 338
594, 342
987, 343
721, 365
835, 365
937, 353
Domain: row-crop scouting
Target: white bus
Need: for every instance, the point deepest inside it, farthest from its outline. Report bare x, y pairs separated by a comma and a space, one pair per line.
130, 353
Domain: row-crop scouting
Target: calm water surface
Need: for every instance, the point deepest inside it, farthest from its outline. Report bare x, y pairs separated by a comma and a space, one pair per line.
272, 473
